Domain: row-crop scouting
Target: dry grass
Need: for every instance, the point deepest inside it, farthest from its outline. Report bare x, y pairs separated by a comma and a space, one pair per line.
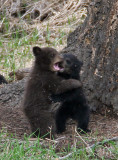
25, 23
65, 17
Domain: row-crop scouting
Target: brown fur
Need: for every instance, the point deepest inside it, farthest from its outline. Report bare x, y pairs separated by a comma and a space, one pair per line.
43, 82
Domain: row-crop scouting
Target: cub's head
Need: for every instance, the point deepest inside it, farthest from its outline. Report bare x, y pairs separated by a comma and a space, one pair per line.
72, 67
48, 59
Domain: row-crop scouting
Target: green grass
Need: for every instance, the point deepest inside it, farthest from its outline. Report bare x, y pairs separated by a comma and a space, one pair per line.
15, 149
12, 148
16, 47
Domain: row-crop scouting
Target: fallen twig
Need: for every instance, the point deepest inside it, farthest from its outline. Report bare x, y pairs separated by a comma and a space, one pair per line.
92, 146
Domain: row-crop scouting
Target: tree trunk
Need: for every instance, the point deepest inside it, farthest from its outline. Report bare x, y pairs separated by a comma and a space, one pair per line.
96, 44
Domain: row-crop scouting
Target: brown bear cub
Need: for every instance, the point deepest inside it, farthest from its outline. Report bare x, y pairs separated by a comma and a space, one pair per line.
74, 104
43, 82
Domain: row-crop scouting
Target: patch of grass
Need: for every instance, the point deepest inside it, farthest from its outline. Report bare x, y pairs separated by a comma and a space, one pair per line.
15, 149
16, 52
14, 55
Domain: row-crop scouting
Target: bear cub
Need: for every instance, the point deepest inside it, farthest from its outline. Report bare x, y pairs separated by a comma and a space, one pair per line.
2, 80
74, 104
44, 81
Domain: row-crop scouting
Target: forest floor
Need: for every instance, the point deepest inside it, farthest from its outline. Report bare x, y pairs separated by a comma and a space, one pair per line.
13, 121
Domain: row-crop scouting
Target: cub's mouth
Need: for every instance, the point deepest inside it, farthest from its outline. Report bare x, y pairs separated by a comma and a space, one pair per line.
58, 66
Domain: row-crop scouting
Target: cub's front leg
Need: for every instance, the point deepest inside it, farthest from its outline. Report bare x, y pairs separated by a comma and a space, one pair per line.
67, 85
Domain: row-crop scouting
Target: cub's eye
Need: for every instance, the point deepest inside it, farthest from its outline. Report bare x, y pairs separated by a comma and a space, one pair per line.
68, 61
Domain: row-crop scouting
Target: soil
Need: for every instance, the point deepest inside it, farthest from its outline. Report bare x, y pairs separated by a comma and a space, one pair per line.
13, 121
102, 126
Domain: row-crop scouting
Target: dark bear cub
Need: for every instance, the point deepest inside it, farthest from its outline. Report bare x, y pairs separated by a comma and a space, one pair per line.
74, 104
2, 80
44, 81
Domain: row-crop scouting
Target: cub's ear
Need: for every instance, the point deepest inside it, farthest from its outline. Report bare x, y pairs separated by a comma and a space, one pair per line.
36, 50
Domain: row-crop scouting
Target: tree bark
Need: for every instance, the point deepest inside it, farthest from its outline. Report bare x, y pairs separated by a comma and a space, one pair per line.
96, 44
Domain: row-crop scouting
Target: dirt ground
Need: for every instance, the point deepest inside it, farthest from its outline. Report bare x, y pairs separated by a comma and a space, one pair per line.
14, 121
